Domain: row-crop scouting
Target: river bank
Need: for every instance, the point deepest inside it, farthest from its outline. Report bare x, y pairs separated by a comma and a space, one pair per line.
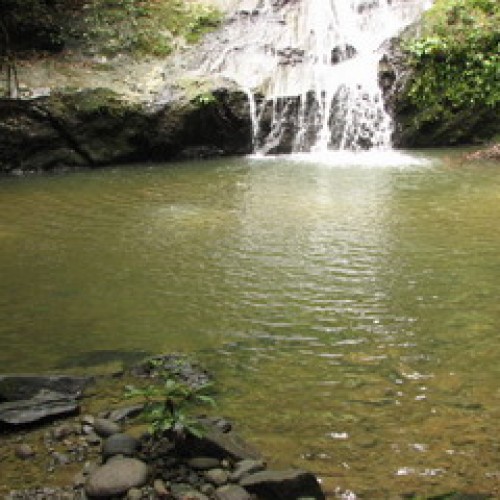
106, 450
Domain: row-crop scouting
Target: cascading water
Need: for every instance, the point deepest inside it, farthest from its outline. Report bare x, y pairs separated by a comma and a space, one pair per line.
310, 68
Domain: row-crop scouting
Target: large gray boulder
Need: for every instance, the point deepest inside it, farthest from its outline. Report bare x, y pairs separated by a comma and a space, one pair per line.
283, 485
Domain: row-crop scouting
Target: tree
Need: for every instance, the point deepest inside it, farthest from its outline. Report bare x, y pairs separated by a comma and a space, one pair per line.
8, 64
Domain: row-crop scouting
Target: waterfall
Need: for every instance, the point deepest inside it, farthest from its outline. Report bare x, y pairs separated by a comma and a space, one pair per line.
310, 69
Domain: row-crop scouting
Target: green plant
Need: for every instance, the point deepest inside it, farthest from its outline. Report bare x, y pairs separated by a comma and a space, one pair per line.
167, 407
456, 60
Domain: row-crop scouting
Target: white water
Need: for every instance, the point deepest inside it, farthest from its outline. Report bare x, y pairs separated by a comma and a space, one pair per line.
310, 68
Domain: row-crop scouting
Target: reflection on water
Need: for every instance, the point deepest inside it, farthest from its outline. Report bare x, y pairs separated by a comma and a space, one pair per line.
350, 313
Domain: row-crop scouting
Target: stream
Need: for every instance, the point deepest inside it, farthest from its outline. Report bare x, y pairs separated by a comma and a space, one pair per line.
346, 303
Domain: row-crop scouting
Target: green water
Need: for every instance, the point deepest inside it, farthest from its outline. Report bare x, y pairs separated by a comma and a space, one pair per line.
350, 313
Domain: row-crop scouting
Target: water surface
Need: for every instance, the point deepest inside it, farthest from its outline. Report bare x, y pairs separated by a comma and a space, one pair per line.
349, 310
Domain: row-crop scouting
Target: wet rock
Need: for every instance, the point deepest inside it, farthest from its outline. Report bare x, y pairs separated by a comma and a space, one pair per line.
283, 485
232, 492
246, 467
44, 405
215, 443
119, 444
116, 477
24, 451
105, 428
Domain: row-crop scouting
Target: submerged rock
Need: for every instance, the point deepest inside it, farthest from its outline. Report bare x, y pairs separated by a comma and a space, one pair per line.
19, 387
283, 485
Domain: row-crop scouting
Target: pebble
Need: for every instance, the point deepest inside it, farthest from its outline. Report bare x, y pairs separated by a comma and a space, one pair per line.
160, 489
62, 432
134, 494
24, 451
119, 444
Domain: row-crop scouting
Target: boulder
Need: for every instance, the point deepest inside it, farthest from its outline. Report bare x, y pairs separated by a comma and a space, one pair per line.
116, 478
21, 387
283, 485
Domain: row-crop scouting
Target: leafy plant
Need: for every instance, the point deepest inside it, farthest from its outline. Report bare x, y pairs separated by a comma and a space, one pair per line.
167, 405
456, 60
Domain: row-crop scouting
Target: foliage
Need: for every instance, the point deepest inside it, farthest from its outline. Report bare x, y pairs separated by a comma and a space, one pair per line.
204, 99
146, 26
108, 26
456, 60
167, 406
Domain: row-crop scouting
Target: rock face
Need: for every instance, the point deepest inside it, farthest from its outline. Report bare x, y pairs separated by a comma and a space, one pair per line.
414, 126
116, 477
96, 128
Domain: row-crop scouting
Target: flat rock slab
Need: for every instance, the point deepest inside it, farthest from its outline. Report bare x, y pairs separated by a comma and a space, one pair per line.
46, 404
116, 477
22, 387
283, 485
221, 445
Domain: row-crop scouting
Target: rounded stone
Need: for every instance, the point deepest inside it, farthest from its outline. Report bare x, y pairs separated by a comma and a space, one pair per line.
105, 428
134, 494
24, 451
119, 444
116, 478
217, 477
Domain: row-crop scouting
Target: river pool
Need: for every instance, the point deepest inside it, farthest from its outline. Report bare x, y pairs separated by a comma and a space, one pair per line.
348, 306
